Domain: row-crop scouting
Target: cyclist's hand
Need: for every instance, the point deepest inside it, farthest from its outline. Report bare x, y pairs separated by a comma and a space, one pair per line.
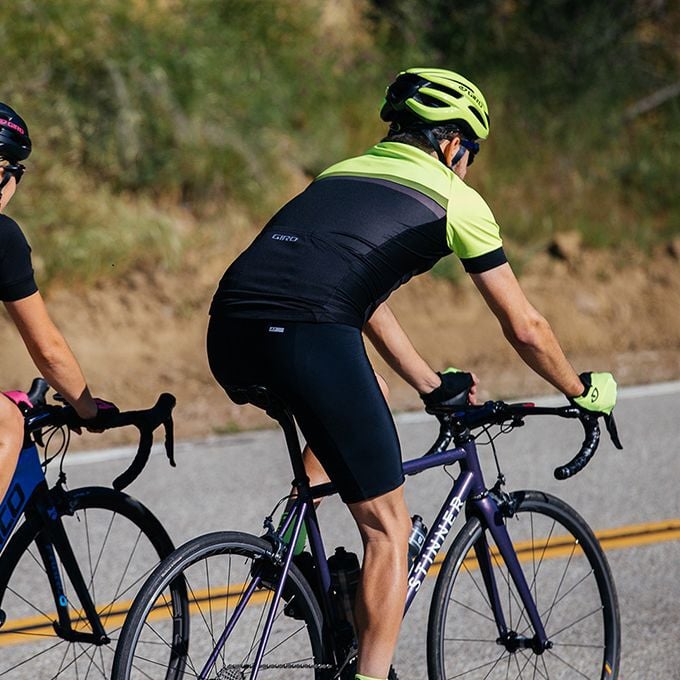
599, 395
458, 388
105, 412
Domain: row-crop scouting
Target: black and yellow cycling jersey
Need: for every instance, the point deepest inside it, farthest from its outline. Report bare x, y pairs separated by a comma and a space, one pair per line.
364, 227
16, 270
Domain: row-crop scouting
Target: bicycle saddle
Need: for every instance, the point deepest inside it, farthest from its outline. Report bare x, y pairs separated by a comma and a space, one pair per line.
258, 395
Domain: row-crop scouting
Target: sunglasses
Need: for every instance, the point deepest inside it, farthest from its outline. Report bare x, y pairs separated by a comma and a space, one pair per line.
16, 170
472, 147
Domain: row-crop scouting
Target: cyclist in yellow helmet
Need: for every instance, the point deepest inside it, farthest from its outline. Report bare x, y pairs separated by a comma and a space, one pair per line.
290, 311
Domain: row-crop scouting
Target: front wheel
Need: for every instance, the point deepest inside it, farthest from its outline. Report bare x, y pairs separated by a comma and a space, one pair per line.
116, 542
570, 582
230, 581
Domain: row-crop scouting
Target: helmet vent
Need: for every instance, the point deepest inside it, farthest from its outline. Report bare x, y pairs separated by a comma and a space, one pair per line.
478, 115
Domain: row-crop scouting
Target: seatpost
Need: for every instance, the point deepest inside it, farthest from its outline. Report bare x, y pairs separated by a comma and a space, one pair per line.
285, 419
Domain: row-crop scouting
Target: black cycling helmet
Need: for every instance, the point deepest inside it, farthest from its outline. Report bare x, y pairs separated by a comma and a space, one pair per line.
15, 144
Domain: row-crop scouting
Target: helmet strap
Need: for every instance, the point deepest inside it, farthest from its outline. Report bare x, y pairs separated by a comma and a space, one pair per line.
429, 135
459, 154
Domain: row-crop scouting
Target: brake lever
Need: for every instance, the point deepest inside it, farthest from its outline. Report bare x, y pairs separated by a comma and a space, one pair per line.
613, 430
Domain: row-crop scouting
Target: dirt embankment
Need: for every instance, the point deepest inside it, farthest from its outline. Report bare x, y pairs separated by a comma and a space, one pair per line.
145, 334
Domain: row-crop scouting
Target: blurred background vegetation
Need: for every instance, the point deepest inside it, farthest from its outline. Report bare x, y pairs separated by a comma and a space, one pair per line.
153, 121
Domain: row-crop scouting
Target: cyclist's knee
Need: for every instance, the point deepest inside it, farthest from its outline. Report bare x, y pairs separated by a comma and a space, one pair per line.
384, 518
11, 422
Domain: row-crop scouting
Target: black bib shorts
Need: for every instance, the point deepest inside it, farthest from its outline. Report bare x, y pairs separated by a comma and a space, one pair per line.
323, 373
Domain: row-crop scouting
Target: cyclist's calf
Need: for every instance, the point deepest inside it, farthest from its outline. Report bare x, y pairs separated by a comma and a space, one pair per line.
384, 525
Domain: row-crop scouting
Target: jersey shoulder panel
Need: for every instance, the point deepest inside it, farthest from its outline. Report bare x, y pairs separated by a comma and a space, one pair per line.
471, 228
400, 163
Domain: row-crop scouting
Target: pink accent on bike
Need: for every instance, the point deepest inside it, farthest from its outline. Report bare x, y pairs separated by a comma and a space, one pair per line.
18, 398
103, 405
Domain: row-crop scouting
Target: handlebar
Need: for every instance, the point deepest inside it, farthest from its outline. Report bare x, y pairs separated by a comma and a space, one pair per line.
146, 421
455, 423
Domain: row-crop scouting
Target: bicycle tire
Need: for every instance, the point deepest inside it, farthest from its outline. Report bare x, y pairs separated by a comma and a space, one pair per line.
216, 569
570, 581
117, 542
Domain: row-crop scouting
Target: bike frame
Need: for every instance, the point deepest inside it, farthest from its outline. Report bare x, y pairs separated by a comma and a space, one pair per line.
29, 494
469, 491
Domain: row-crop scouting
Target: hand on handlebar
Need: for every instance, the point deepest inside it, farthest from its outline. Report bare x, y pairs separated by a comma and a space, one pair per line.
599, 395
458, 388
106, 410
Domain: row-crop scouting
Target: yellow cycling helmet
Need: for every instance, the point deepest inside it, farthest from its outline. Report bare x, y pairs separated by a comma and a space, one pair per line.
436, 96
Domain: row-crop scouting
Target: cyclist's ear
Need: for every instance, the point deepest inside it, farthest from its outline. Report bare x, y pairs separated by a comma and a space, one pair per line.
450, 148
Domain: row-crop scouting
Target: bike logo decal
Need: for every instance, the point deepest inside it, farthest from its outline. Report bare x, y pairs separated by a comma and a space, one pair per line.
11, 509
427, 558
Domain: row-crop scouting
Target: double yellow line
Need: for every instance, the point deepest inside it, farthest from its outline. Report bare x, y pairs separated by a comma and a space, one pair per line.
39, 628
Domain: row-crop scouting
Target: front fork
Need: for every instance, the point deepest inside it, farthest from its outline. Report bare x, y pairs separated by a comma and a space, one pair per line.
494, 508
51, 541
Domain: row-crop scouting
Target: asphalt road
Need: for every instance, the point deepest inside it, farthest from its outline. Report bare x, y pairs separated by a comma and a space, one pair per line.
231, 482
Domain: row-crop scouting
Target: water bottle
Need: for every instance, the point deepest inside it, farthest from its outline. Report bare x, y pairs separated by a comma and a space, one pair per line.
345, 571
417, 538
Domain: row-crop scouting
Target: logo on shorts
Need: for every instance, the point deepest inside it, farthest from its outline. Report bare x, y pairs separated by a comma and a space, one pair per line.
285, 237
276, 329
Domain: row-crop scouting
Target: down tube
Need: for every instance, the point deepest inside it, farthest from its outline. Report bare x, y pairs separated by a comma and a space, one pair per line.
437, 535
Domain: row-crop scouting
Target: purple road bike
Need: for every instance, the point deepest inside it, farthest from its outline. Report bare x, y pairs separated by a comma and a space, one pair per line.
524, 590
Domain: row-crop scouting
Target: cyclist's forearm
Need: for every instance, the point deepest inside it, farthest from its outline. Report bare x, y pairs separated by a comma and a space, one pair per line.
61, 370
51, 354
540, 350
394, 346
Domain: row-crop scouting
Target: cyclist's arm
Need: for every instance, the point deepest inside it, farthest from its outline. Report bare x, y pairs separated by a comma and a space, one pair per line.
394, 346
52, 356
527, 330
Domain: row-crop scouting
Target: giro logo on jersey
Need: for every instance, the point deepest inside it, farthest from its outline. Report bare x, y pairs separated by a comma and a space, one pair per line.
285, 237
12, 126
594, 395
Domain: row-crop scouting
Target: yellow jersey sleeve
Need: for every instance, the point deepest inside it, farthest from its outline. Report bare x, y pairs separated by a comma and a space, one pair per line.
472, 232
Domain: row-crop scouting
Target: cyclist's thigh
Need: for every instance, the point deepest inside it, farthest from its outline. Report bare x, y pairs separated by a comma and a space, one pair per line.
341, 410
323, 372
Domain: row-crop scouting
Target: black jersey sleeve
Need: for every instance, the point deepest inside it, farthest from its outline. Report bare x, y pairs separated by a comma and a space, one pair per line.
16, 270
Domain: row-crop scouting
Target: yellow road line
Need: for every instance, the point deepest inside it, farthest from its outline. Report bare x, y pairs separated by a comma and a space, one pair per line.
28, 629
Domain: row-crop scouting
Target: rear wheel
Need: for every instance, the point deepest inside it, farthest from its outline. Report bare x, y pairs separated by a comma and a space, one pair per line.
570, 582
117, 542
222, 637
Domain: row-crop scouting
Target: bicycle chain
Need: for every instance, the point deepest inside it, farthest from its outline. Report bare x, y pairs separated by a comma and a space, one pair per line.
227, 672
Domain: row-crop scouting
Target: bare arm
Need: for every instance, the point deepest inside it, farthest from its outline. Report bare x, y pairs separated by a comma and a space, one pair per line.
394, 346
52, 356
526, 330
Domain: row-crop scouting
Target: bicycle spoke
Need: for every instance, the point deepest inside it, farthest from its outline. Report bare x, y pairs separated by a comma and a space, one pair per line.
571, 666
568, 581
